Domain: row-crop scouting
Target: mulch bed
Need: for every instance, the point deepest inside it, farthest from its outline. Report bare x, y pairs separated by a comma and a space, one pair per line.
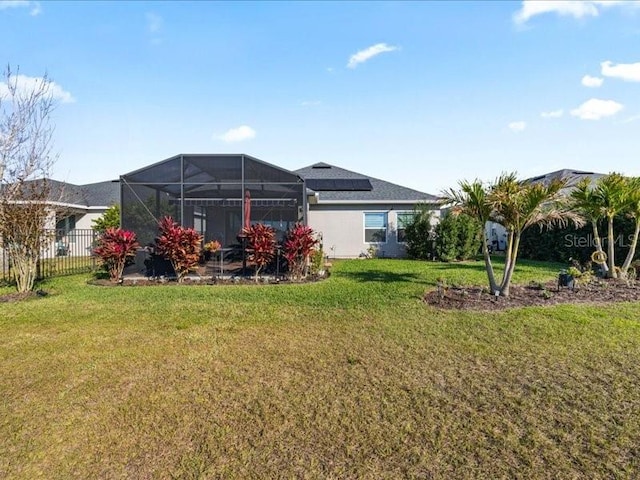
19, 296
145, 281
479, 298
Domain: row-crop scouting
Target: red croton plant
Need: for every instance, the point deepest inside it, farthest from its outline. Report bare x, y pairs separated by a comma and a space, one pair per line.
179, 245
115, 247
261, 245
298, 246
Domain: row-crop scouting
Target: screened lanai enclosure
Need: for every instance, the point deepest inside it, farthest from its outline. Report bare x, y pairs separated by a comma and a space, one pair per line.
214, 194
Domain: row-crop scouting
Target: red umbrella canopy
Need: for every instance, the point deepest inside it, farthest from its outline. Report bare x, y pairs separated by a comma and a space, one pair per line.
247, 209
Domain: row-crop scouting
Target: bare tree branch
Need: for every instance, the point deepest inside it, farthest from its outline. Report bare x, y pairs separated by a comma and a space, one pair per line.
26, 160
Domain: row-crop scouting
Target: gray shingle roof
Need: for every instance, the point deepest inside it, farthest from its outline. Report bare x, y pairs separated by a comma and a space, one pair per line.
573, 177
382, 191
101, 194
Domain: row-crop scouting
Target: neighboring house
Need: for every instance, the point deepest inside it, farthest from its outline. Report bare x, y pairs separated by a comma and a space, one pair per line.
351, 211
356, 213
74, 207
71, 210
496, 233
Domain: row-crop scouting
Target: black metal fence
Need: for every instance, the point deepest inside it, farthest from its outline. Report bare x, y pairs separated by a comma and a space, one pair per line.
66, 253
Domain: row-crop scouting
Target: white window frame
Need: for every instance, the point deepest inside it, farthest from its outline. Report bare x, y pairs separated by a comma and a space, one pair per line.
386, 226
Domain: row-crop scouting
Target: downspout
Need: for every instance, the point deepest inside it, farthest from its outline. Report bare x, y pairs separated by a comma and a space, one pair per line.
121, 199
182, 190
242, 189
305, 202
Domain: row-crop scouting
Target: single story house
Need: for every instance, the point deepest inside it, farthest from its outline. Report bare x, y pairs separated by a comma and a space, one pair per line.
357, 214
217, 194
73, 209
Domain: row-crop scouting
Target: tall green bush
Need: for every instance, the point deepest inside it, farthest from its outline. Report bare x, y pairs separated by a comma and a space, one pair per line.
457, 237
109, 219
419, 236
562, 244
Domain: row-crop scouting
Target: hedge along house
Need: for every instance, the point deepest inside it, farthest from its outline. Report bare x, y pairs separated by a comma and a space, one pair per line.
207, 192
357, 214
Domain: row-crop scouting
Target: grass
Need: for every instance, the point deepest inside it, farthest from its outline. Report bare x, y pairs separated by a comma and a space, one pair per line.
353, 377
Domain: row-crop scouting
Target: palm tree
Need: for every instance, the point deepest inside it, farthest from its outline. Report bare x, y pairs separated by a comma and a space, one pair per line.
519, 206
633, 210
611, 193
585, 202
515, 205
471, 198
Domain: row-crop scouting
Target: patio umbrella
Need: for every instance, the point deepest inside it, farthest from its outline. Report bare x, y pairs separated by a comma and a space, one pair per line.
247, 209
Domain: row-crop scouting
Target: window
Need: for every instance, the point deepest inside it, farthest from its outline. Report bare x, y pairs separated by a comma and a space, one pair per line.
403, 219
65, 229
375, 227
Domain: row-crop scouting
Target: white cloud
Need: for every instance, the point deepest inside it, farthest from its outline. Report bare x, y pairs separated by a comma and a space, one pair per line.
368, 53
569, 8
239, 134
34, 7
310, 103
595, 109
576, 9
26, 84
624, 71
592, 82
552, 114
517, 127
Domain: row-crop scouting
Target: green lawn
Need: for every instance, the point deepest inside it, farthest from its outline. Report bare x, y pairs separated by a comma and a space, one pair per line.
353, 377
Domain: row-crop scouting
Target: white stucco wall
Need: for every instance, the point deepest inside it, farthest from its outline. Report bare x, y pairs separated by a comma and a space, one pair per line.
77, 243
496, 236
84, 221
342, 228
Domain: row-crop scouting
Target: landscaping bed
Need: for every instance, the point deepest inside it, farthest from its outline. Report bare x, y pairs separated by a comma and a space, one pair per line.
533, 294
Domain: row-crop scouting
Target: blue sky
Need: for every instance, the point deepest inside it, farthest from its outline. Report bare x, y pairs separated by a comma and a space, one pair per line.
422, 94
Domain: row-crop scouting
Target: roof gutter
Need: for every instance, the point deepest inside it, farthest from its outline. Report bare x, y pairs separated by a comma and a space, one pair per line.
375, 202
62, 204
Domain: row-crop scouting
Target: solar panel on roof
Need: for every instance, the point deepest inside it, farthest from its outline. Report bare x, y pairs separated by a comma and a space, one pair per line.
362, 184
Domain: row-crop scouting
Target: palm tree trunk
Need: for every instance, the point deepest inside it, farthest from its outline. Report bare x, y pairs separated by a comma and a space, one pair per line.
632, 249
596, 237
507, 255
488, 266
511, 266
610, 246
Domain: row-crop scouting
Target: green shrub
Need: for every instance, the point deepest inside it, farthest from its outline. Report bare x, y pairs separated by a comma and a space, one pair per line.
457, 237
570, 243
109, 219
419, 236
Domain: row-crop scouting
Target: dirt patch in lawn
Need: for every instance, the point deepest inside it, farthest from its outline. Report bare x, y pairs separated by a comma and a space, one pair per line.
19, 296
479, 298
